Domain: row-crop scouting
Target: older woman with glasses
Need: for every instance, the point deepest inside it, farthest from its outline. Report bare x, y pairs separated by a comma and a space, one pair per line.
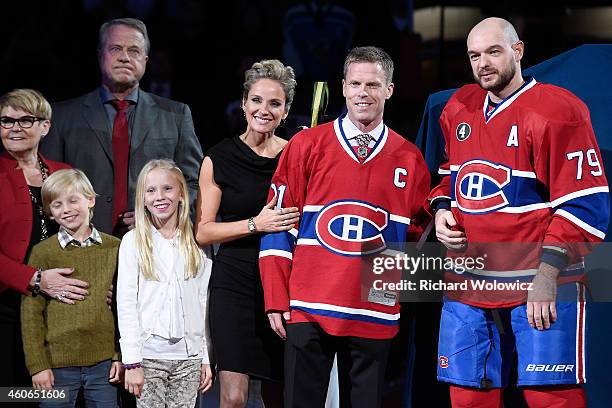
25, 118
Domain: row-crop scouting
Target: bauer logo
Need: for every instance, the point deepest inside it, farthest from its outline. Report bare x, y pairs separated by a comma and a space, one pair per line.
443, 362
352, 228
479, 184
559, 368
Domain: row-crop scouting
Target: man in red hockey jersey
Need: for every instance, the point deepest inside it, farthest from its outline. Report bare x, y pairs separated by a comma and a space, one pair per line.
359, 186
523, 167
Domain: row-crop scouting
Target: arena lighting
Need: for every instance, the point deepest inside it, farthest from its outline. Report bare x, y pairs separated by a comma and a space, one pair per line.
457, 22
589, 22
593, 22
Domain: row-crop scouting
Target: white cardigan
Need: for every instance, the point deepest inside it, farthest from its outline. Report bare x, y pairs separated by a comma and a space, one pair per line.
139, 301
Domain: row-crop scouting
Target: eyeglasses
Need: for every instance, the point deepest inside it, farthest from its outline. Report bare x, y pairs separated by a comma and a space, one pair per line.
25, 122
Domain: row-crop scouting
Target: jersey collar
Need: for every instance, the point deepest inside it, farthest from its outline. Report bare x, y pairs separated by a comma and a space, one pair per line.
529, 83
346, 130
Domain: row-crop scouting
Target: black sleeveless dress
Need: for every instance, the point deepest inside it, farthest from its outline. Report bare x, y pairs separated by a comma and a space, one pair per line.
242, 339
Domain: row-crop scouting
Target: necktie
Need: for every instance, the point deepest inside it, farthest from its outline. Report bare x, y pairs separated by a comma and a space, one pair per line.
363, 140
121, 150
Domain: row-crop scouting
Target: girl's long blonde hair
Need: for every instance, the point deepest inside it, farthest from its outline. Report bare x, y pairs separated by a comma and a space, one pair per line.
188, 248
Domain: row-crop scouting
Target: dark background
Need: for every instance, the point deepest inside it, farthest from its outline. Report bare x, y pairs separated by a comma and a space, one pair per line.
201, 49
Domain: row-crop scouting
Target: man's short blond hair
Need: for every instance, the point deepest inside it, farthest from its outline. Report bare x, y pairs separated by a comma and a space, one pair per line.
66, 180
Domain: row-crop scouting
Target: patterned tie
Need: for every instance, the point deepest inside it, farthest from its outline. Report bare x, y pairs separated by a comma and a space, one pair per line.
121, 151
363, 140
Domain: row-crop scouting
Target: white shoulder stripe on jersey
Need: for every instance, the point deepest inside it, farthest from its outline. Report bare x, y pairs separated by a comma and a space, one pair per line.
307, 241
312, 208
517, 210
438, 198
392, 252
400, 219
503, 274
444, 172
275, 252
580, 193
521, 173
454, 167
349, 310
581, 224
524, 208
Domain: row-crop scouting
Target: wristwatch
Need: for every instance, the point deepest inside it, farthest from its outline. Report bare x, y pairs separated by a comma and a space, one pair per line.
251, 224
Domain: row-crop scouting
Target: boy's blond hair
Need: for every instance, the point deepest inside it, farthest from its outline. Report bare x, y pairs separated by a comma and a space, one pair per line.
66, 180
188, 248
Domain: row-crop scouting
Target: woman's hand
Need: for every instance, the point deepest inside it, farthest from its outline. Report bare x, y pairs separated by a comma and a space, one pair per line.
205, 378
134, 381
270, 220
54, 284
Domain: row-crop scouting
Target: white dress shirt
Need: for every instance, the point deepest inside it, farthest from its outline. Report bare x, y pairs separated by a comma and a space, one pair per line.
351, 131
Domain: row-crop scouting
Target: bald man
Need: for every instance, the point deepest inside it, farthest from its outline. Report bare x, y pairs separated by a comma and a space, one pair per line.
523, 188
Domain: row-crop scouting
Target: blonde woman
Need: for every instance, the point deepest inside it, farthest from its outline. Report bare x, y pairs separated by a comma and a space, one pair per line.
161, 294
234, 183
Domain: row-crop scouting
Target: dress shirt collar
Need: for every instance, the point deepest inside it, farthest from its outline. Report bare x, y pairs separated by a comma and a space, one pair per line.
172, 241
107, 97
350, 130
66, 239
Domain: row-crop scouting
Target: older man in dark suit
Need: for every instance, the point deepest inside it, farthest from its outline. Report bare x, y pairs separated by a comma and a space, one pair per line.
112, 132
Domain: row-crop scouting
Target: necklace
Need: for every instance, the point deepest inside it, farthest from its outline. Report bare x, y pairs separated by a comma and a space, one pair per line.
38, 205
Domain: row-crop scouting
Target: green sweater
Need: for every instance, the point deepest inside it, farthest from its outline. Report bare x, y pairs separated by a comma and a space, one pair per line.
56, 334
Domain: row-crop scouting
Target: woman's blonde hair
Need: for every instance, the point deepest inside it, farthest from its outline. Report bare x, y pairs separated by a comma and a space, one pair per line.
28, 100
275, 70
188, 248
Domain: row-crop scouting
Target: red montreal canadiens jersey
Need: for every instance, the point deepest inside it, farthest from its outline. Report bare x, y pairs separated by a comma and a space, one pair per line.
351, 210
529, 171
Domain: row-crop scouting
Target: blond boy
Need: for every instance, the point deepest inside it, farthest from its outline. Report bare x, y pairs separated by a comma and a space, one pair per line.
73, 346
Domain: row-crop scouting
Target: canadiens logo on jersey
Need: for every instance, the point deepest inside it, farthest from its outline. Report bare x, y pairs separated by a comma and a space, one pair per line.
479, 186
352, 228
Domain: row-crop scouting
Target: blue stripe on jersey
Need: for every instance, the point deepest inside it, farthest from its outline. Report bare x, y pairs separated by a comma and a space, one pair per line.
281, 241
519, 191
393, 234
593, 209
346, 316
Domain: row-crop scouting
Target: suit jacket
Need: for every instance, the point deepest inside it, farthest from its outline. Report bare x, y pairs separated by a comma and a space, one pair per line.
16, 223
81, 135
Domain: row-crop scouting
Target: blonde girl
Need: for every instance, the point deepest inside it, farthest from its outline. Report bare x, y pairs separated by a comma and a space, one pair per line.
162, 294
